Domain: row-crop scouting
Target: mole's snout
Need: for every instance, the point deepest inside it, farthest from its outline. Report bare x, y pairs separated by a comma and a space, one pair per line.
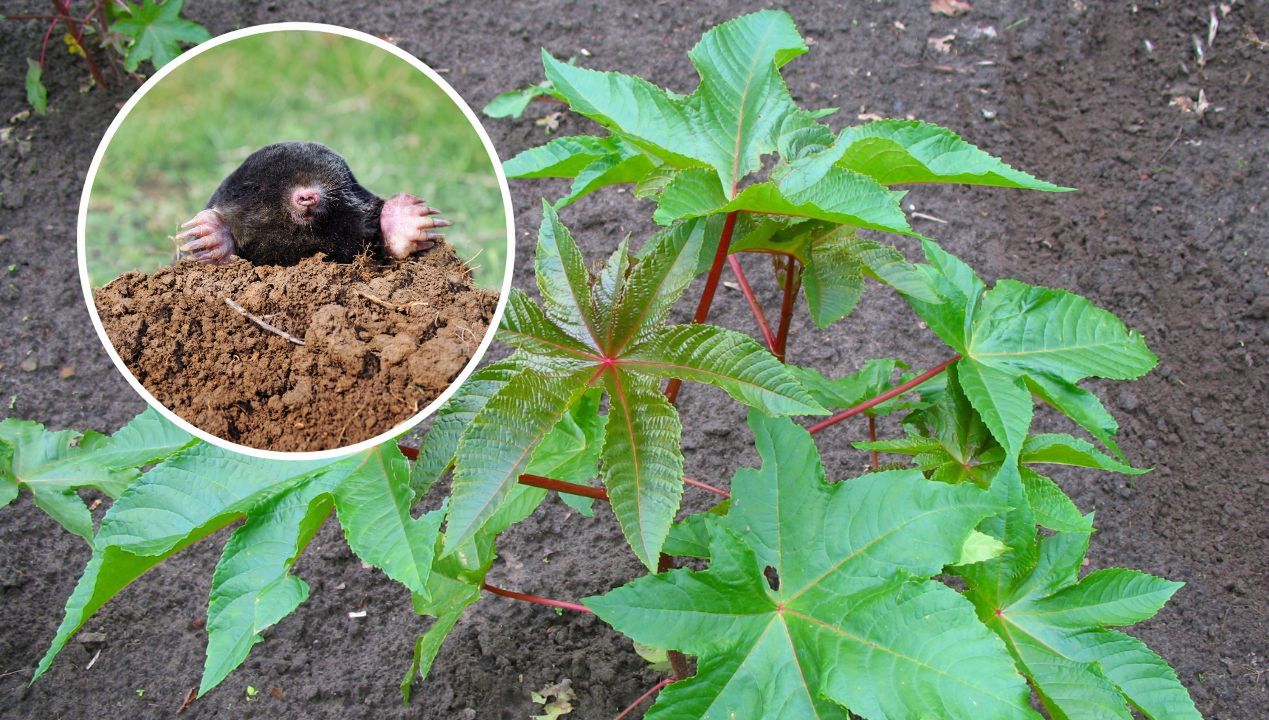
305, 202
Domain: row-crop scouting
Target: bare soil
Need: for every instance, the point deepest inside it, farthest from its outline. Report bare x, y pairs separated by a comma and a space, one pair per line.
1168, 230
355, 350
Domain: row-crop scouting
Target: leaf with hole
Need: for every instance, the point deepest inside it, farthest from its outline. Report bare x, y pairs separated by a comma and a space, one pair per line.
854, 622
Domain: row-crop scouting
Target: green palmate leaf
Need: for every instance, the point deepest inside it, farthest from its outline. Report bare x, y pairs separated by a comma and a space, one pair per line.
909, 151
1002, 401
157, 32
440, 444
666, 267
1060, 449
183, 500
563, 157
498, 445
726, 359
179, 502
738, 62
980, 547
571, 451
252, 587
525, 326
854, 620
563, 280
838, 196
450, 597
513, 103
1054, 626
1031, 329
593, 162
643, 465
36, 93
622, 342
1016, 338
835, 261
54, 464
1053, 508
373, 500
868, 382
1079, 405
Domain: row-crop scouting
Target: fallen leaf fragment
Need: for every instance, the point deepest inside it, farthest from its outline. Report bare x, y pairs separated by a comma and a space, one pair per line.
950, 8
556, 700
941, 44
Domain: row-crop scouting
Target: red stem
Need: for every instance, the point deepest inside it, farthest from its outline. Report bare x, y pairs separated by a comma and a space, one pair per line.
752, 299
44, 43
705, 486
892, 392
568, 487
707, 295
535, 599
791, 282
562, 486
872, 437
644, 697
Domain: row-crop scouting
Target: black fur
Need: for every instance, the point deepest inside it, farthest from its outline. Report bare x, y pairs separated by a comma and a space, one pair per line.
255, 203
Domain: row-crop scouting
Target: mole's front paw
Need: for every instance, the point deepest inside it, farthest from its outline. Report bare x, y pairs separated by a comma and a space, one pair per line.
209, 239
405, 222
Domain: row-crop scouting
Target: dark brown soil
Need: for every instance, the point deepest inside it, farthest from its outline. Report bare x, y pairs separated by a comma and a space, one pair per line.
379, 342
1168, 230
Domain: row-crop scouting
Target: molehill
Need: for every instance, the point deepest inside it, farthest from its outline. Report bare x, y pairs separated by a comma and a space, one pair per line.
380, 341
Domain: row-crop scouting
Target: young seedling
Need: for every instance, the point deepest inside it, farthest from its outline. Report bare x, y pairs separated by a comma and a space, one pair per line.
126, 33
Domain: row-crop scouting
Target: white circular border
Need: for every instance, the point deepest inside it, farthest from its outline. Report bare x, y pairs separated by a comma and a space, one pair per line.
82, 225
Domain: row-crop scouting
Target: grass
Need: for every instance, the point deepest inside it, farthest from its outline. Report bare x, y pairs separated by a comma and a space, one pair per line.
397, 129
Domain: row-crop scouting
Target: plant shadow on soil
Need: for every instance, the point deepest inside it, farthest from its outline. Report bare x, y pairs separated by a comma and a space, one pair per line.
1167, 232
355, 349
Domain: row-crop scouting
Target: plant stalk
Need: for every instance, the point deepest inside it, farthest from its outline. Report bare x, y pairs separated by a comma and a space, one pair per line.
549, 602
644, 697
707, 295
678, 661
77, 32
892, 392
707, 487
562, 486
768, 338
568, 487
792, 281
872, 437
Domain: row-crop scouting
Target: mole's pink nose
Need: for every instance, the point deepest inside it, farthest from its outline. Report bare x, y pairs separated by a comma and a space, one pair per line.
306, 197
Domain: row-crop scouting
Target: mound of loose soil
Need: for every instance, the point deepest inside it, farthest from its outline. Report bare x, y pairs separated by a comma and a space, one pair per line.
379, 342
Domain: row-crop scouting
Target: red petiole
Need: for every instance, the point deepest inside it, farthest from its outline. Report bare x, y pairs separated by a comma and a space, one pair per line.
711, 287
644, 697
747, 290
892, 392
535, 599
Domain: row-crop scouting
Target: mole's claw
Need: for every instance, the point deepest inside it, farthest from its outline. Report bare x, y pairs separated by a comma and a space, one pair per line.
209, 238
434, 237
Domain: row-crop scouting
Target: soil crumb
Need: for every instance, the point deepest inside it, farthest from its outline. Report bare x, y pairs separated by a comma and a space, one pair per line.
381, 341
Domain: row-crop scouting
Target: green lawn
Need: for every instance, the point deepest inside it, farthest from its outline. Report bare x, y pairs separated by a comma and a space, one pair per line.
398, 131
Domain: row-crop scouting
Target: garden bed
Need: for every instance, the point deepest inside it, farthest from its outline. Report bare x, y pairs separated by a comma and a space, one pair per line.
1167, 232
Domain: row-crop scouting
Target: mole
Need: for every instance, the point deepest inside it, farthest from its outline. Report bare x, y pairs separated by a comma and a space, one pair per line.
291, 200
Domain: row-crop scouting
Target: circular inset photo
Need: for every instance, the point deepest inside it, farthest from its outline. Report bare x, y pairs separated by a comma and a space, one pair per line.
295, 240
